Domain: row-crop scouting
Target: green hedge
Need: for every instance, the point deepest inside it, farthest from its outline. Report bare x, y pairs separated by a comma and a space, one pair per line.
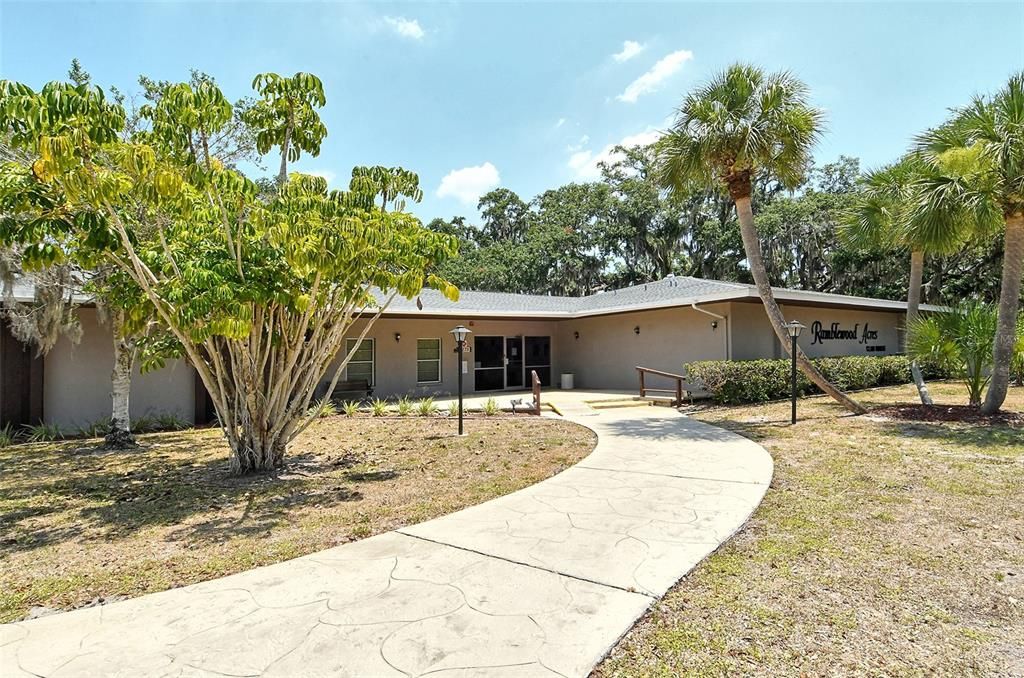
734, 382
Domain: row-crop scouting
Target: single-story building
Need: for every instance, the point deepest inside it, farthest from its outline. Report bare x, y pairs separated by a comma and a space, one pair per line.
599, 339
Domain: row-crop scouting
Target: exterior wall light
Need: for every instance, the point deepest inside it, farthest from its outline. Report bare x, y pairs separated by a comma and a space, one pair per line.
576, 334
714, 324
636, 330
398, 337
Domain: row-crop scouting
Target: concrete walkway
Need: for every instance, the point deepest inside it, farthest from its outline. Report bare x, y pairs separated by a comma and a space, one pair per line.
541, 582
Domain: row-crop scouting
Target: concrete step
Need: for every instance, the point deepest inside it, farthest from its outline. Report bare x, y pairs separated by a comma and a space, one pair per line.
610, 404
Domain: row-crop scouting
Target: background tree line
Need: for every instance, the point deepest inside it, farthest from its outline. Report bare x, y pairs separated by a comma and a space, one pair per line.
626, 229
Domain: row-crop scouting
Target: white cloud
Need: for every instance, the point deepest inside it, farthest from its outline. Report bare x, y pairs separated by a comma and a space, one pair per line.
469, 183
407, 28
630, 48
561, 121
585, 163
652, 79
584, 140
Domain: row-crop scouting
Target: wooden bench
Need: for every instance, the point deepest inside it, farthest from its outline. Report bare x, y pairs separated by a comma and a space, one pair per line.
355, 389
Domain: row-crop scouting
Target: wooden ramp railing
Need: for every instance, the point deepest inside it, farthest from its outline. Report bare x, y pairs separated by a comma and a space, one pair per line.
673, 395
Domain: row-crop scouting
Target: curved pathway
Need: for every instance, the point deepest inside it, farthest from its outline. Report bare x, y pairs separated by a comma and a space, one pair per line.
541, 582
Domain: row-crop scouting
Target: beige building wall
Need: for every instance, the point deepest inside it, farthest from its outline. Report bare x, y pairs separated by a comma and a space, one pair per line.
396, 360
76, 381
609, 349
604, 356
752, 335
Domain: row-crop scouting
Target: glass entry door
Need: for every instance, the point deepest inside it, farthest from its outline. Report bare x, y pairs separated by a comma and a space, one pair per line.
537, 352
513, 362
489, 363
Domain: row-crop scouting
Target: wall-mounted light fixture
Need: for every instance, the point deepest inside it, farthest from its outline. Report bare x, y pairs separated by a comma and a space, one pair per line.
714, 324
636, 330
576, 334
398, 337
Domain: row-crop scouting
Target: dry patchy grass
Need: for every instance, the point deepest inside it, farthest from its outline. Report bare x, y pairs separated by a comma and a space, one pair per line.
882, 548
79, 523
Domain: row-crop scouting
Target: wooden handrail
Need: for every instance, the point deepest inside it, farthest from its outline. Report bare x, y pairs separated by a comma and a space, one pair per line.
660, 373
677, 401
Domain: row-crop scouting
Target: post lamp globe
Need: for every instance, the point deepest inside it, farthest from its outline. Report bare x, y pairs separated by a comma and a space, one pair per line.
460, 333
793, 327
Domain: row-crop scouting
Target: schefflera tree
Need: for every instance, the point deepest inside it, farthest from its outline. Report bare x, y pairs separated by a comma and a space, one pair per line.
258, 290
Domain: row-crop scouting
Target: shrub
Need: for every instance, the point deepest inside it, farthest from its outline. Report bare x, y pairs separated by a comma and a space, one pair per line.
453, 409
958, 341
324, 407
379, 407
426, 407
491, 407
404, 406
42, 432
96, 429
733, 382
7, 436
350, 408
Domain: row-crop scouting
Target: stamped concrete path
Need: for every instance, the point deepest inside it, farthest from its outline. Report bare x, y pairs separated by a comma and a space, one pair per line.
541, 582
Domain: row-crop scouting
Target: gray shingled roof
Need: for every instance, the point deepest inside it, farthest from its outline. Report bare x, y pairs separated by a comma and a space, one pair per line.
672, 291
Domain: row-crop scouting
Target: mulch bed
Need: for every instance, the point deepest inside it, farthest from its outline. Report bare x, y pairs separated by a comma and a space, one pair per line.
964, 414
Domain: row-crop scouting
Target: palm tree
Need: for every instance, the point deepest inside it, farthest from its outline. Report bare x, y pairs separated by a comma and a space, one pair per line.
978, 157
742, 124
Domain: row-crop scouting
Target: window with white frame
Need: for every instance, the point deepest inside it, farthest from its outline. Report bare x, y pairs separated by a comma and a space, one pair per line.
361, 363
428, 361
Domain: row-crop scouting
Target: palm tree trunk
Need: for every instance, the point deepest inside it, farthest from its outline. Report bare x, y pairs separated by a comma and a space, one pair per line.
913, 304
753, 251
914, 291
120, 434
1009, 302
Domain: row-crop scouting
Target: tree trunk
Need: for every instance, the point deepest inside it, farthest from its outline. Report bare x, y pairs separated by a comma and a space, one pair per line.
753, 251
913, 304
282, 174
120, 434
1009, 302
914, 290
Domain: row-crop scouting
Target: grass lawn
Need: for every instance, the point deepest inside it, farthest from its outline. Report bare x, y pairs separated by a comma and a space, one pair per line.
882, 547
78, 523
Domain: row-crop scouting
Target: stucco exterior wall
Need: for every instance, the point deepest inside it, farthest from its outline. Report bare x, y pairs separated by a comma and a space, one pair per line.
752, 335
76, 381
396, 360
608, 349
76, 378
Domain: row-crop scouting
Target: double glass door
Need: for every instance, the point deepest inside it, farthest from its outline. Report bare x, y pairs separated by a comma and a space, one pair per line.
503, 362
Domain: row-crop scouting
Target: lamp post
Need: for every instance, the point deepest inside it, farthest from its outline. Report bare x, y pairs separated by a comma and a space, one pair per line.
460, 333
793, 327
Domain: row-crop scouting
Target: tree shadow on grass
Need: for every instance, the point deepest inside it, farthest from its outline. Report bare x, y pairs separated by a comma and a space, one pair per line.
78, 491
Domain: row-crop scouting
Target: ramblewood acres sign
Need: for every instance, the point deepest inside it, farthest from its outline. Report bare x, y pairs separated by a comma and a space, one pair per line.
820, 334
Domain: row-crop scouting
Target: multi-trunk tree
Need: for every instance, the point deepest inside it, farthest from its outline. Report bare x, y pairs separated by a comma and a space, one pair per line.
257, 289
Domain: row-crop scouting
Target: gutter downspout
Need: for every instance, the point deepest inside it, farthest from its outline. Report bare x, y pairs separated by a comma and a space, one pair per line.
724, 319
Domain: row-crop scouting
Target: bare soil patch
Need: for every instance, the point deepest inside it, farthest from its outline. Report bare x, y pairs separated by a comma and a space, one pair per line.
81, 525
964, 414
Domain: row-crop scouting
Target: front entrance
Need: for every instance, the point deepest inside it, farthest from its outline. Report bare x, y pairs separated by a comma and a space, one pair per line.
503, 363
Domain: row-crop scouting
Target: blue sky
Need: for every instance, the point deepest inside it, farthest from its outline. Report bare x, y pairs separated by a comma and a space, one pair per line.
529, 95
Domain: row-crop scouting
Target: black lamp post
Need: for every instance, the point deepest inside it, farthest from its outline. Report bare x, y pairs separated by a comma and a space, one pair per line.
793, 327
460, 333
